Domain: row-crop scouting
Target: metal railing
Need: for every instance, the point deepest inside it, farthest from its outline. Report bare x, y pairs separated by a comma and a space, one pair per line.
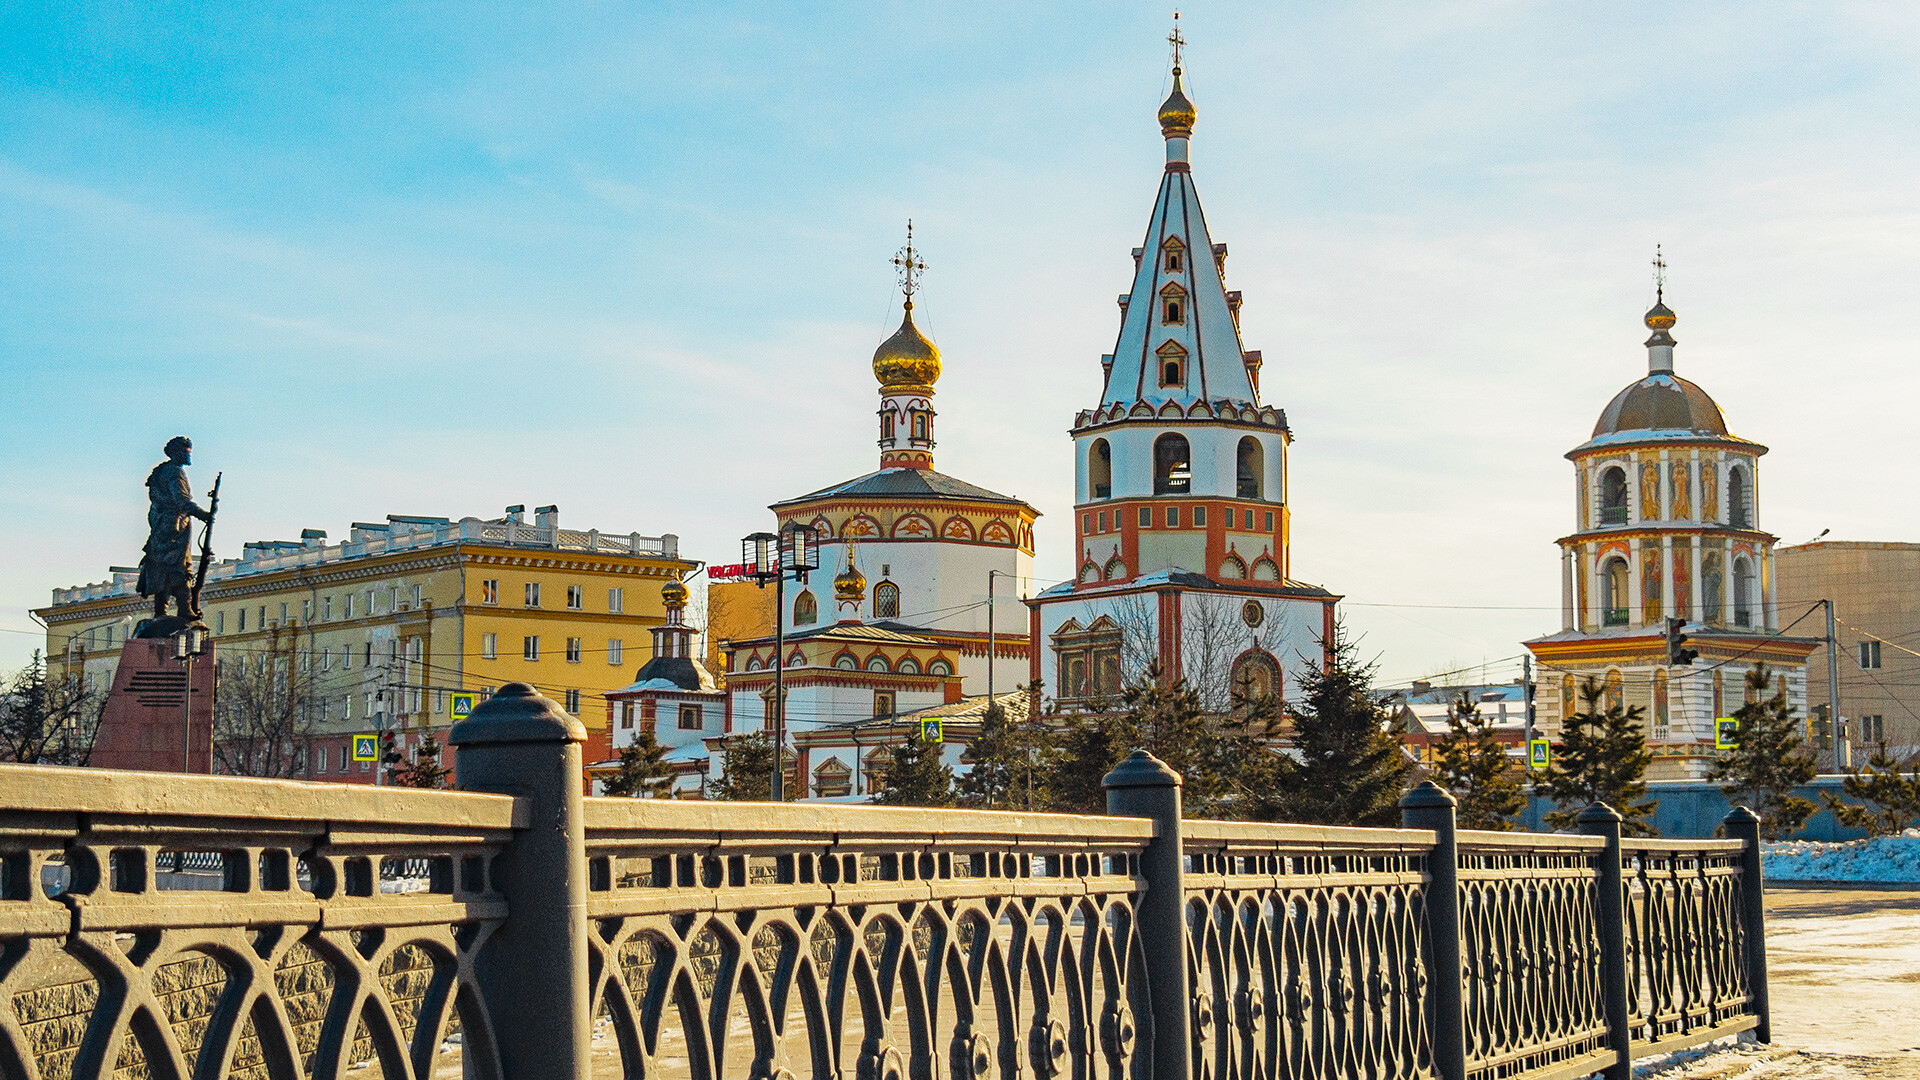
330, 927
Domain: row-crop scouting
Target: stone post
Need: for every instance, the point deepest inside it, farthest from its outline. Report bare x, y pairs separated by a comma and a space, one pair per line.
1429, 806
1610, 923
534, 970
1143, 786
1744, 825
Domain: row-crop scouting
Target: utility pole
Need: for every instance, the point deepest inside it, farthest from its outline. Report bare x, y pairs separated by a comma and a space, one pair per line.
1526, 691
1842, 744
990, 638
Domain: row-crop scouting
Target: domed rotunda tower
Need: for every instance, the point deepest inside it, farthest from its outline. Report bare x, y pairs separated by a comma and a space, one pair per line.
1666, 527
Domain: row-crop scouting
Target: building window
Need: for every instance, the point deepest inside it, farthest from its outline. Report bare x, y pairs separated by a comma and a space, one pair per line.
1739, 503
576, 597
886, 600
1267, 519
573, 650
573, 701
346, 713
1073, 675
530, 648
882, 703
326, 658
690, 718
1103, 521
489, 646
1086, 523
1175, 258
614, 650
1869, 655
283, 614
533, 594
346, 602
220, 622
1173, 517
490, 591
1250, 469
616, 600
1100, 469
920, 424
886, 425
326, 608
1742, 592
1172, 473
1613, 593
1173, 364
1613, 496
805, 609
1199, 517
1873, 729
1146, 516
419, 597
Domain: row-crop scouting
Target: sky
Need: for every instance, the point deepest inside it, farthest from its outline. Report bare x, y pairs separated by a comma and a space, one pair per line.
632, 259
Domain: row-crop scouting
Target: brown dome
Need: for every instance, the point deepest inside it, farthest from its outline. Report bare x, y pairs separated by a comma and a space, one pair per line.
1661, 402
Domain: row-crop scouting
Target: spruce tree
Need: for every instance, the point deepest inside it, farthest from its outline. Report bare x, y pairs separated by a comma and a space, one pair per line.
1169, 724
1770, 759
1890, 790
1004, 760
916, 776
1346, 768
1602, 757
1086, 748
644, 772
1472, 763
746, 769
425, 770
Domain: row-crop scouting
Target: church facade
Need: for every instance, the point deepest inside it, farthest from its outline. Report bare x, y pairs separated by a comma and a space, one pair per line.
1180, 475
1666, 526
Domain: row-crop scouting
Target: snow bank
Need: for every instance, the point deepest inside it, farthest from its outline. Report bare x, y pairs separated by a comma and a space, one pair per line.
1888, 859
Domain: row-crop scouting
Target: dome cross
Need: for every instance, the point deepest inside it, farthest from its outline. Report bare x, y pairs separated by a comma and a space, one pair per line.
1176, 40
910, 265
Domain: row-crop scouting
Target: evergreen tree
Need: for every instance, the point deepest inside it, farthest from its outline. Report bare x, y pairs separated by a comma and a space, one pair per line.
1168, 722
915, 775
1890, 790
1602, 757
1472, 763
1769, 761
426, 771
1005, 759
746, 769
48, 721
1347, 768
1241, 762
644, 772
1086, 748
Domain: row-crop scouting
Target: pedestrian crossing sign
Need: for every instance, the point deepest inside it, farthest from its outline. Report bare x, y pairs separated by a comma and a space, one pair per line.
933, 729
366, 748
459, 706
1539, 754
1726, 733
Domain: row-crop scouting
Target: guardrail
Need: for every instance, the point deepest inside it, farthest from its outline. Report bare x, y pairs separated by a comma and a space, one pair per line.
505, 926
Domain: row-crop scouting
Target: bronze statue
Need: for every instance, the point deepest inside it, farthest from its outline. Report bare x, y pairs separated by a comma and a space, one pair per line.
166, 570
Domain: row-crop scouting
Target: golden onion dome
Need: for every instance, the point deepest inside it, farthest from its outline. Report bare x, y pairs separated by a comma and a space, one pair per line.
1177, 114
674, 593
1660, 316
906, 358
850, 585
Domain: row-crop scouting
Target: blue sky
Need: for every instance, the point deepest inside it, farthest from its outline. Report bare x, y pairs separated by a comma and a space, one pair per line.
633, 260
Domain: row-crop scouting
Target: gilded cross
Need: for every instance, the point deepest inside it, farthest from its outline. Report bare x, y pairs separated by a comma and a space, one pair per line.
1659, 274
910, 265
1176, 40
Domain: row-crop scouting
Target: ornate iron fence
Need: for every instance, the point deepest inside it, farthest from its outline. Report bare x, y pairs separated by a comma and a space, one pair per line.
166, 926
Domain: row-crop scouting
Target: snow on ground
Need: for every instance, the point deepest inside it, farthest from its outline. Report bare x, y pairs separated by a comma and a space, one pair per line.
1887, 860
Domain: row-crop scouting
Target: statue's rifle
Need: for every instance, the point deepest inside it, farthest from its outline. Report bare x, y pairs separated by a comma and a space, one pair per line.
206, 540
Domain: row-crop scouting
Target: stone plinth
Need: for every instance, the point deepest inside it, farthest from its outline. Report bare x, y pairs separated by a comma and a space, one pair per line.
148, 724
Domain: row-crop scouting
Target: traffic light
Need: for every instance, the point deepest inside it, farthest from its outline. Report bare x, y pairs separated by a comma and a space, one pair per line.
1676, 654
1820, 726
389, 753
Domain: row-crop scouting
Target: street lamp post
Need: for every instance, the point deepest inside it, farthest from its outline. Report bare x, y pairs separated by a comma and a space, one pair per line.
188, 645
775, 557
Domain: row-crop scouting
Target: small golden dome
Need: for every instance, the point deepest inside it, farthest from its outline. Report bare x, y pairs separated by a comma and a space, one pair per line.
1660, 317
850, 586
1177, 114
907, 358
674, 593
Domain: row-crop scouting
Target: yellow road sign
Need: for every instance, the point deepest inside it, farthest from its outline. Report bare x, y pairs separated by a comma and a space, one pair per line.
366, 748
1726, 733
933, 730
1539, 753
460, 705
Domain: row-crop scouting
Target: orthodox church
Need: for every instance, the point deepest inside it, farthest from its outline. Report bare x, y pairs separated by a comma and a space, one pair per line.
897, 619
1180, 473
1666, 525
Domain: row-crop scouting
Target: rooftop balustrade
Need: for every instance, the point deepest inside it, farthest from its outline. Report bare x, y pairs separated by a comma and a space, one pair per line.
222, 927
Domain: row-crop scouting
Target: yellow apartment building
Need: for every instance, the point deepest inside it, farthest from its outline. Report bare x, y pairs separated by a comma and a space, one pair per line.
385, 626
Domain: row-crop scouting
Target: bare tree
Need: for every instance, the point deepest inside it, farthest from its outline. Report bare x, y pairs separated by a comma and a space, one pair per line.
48, 719
1138, 617
264, 707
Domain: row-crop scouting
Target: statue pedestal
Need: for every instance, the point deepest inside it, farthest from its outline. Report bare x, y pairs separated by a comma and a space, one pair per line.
154, 720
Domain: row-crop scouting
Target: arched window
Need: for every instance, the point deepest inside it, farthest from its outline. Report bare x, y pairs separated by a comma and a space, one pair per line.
1739, 500
886, 600
877, 663
1232, 569
1089, 572
1100, 469
1172, 468
1743, 604
1255, 676
920, 424
1613, 592
909, 667
886, 424
1073, 675
1616, 690
1661, 714
1173, 313
846, 662
1115, 569
806, 610
940, 667
1613, 496
1250, 469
